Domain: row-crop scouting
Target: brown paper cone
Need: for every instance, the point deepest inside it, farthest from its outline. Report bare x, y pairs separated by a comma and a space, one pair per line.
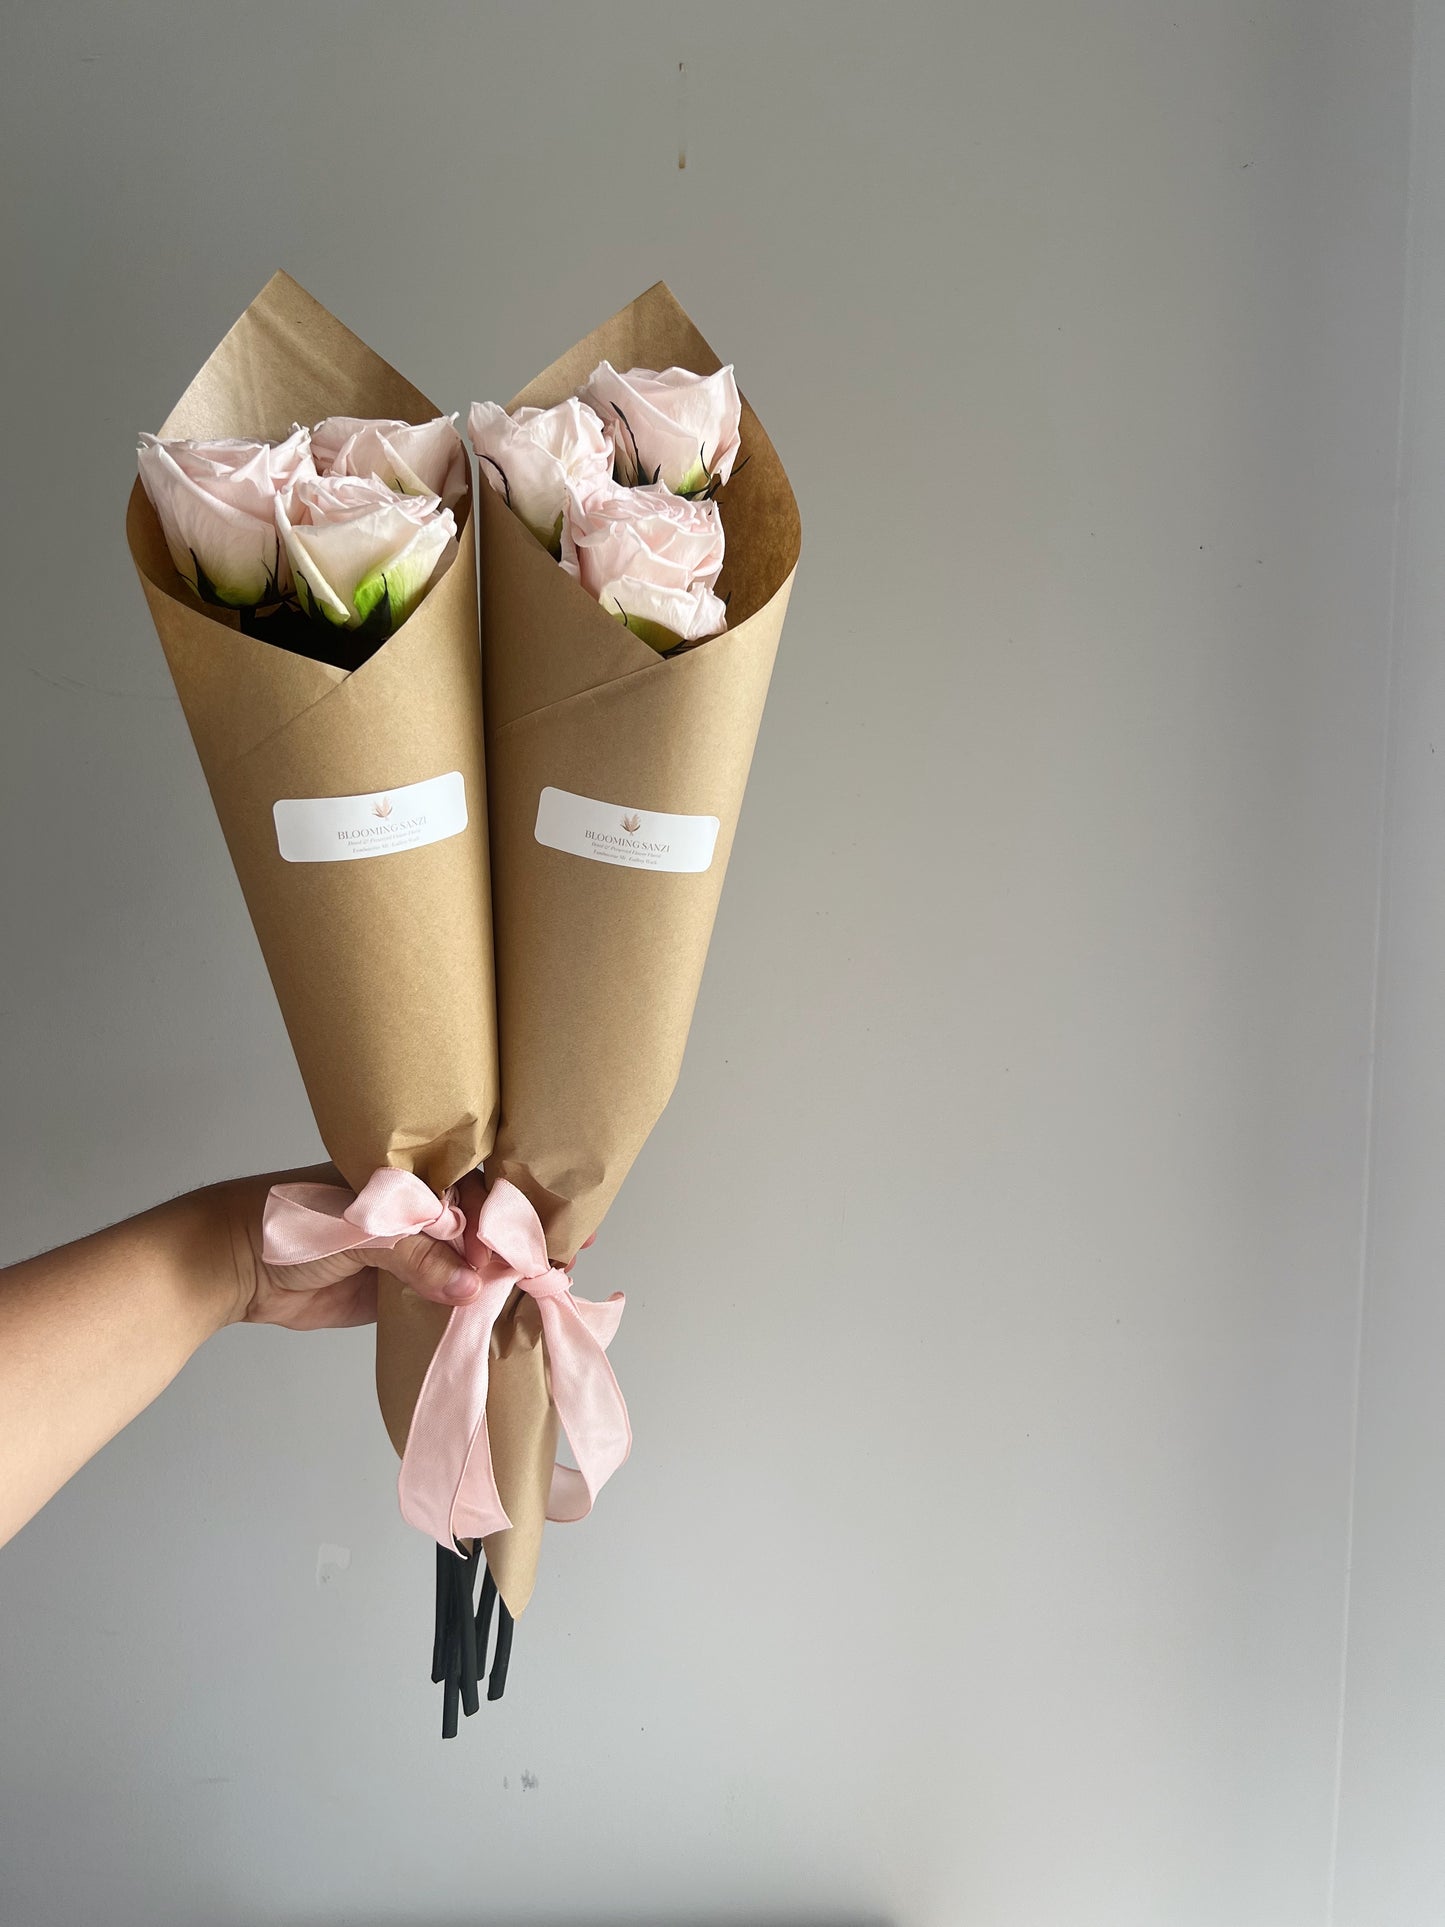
598, 966
382, 967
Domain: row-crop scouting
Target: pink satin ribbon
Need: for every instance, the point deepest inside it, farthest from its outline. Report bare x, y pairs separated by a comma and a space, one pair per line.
302, 1222
447, 1486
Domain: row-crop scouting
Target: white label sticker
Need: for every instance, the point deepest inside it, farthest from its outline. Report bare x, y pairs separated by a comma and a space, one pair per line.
615, 833
339, 829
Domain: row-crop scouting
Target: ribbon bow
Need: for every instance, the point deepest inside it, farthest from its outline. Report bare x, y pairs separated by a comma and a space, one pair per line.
447, 1486
302, 1222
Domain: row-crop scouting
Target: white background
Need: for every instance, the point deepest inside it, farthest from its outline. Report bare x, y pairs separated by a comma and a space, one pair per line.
996, 1276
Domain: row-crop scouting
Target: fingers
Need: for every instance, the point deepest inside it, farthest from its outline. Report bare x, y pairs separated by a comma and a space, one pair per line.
431, 1269
331, 1308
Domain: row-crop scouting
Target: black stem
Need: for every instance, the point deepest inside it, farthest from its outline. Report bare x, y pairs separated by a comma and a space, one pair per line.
454, 1686
485, 1606
497, 1683
451, 1700
461, 1633
443, 1611
466, 1580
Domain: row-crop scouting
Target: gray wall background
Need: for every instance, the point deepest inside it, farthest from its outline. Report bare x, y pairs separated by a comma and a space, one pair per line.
995, 1277
1392, 1850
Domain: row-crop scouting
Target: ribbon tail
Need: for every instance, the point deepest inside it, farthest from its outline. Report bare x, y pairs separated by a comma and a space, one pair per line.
477, 1510
601, 1317
301, 1222
589, 1402
447, 1454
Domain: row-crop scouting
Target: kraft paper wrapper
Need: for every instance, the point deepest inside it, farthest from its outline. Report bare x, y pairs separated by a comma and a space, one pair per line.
382, 966
598, 966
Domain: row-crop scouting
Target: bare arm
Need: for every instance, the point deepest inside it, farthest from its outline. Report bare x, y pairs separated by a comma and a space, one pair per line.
92, 1332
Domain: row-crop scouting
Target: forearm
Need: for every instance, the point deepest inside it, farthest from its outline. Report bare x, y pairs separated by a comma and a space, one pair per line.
91, 1333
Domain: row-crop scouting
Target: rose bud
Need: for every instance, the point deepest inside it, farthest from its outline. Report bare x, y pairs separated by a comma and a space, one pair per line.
676, 428
650, 557
414, 458
216, 504
533, 457
362, 555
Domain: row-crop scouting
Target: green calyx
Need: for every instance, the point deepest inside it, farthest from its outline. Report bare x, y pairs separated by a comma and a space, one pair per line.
652, 633
221, 597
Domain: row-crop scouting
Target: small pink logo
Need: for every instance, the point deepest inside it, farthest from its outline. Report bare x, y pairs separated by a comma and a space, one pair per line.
632, 824
381, 807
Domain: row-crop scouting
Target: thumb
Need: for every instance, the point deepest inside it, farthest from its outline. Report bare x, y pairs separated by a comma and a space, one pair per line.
433, 1270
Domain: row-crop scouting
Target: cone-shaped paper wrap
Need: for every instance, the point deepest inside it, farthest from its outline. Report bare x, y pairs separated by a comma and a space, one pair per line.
598, 962
382, 964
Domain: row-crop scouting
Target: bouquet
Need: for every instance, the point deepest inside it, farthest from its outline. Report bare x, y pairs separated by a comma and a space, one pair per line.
314, 590
638, 539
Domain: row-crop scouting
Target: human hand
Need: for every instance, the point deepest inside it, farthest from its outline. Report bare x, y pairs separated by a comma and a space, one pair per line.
329, 1293
91, 1331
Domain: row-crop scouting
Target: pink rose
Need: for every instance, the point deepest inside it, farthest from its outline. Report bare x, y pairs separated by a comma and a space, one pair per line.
363, 555
675, 427
216, 504
650, 557
533, 457
415, 458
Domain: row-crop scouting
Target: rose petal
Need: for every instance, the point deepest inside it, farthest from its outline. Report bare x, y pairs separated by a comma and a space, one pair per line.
417, 458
